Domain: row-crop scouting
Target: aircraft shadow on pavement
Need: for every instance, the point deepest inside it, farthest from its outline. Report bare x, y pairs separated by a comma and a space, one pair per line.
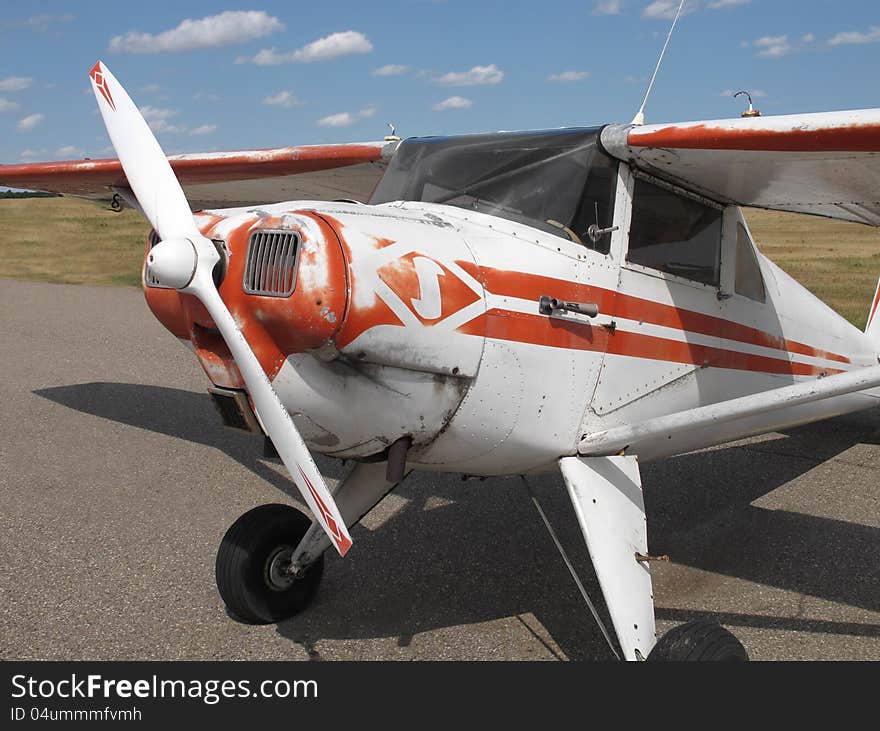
467, 552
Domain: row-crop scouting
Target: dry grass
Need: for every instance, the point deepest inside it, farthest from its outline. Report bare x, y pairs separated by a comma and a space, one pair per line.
838, 262
73, 241
70, 241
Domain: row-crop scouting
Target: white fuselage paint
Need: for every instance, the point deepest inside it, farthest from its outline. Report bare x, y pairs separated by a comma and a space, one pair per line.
503, 405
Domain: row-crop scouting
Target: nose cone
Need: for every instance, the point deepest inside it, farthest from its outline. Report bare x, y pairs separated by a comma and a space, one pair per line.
172, 263
285, 284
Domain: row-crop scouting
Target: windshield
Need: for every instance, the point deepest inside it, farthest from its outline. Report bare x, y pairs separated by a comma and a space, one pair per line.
558, 181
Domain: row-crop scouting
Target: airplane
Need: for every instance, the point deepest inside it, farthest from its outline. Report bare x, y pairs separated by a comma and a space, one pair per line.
575, 300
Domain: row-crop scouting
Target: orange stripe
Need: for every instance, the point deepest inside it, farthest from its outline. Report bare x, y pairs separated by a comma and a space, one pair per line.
852, 138
532, 286
557, 333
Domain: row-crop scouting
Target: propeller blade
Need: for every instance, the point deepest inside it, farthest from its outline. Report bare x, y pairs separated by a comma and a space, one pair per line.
149, 174
185, 259
280, 427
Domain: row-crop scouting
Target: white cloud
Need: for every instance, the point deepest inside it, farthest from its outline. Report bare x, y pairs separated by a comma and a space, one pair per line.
721, 4
606, 7
453, 102
28, 123
7, 106
773, 46
666, 9
391, 69
286, 99
151, 88
41, 22
333, 46
69, 151
477, 76
153, 113
808, 38
30, 154
158, 120
569, 76
204, 96
345, 119
16, 83
213, 31
204, 129
854, 37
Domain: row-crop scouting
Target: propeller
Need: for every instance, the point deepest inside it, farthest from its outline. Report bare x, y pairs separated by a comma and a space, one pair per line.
184, 259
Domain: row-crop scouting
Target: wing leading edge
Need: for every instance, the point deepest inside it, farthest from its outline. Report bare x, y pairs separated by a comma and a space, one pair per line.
224, 179
825, 164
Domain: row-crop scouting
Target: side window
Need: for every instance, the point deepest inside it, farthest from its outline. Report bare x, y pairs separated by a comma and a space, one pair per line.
747, 279
675, 234
597, 203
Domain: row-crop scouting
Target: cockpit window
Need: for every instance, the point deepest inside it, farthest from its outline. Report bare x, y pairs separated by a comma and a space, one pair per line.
747, 279
558, 181
675, 234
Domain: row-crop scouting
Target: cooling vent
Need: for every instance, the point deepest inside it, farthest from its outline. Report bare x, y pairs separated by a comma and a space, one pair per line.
270, 268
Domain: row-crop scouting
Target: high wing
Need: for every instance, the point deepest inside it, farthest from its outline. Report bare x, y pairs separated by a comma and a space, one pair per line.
226, 179
823, 164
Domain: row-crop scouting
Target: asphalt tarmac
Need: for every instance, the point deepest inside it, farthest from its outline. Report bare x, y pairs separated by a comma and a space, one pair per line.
117, 482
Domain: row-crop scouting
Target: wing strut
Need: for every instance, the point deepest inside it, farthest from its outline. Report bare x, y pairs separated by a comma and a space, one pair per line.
701, 419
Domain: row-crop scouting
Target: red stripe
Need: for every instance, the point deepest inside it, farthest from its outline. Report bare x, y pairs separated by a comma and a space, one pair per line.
852, 138
342, 543
532, 286
557, 333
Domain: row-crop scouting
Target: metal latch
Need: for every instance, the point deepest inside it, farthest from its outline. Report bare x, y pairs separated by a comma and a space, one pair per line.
549, 305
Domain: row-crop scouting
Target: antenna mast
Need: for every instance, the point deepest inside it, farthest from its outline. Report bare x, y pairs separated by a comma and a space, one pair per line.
640, 115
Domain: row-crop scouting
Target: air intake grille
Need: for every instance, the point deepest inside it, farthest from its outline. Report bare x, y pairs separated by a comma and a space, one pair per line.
270, 268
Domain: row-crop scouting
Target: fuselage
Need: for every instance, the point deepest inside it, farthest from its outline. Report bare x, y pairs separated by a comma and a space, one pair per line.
426, 324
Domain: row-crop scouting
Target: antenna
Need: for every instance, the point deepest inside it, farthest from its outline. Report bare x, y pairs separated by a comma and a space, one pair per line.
640, 115
751, 111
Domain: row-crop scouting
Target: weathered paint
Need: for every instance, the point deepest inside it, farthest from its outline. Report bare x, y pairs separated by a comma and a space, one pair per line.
708, 136
822, 164
235, 172
408, 292
275, 327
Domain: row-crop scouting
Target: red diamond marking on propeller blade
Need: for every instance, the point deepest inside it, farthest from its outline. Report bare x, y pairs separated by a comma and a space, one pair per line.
101, 83
342, 543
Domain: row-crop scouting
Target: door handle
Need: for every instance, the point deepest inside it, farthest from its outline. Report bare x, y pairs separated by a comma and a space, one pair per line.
549, 305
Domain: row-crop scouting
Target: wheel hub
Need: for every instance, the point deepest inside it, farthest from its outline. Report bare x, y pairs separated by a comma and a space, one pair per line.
277, 573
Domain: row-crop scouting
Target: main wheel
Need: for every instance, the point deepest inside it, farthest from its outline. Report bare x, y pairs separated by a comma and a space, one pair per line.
699, 640
252, 563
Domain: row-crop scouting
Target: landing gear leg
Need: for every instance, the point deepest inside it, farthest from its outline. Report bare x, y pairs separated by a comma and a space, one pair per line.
359, 491
606, 493
271, 560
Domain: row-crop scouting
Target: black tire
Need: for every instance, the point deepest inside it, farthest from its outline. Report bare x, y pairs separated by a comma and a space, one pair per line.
254, 545
698, 641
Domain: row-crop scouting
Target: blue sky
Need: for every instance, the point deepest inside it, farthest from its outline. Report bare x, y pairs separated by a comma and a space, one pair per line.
216, 76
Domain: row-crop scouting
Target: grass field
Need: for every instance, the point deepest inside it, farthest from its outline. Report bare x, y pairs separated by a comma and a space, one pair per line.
72, 241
